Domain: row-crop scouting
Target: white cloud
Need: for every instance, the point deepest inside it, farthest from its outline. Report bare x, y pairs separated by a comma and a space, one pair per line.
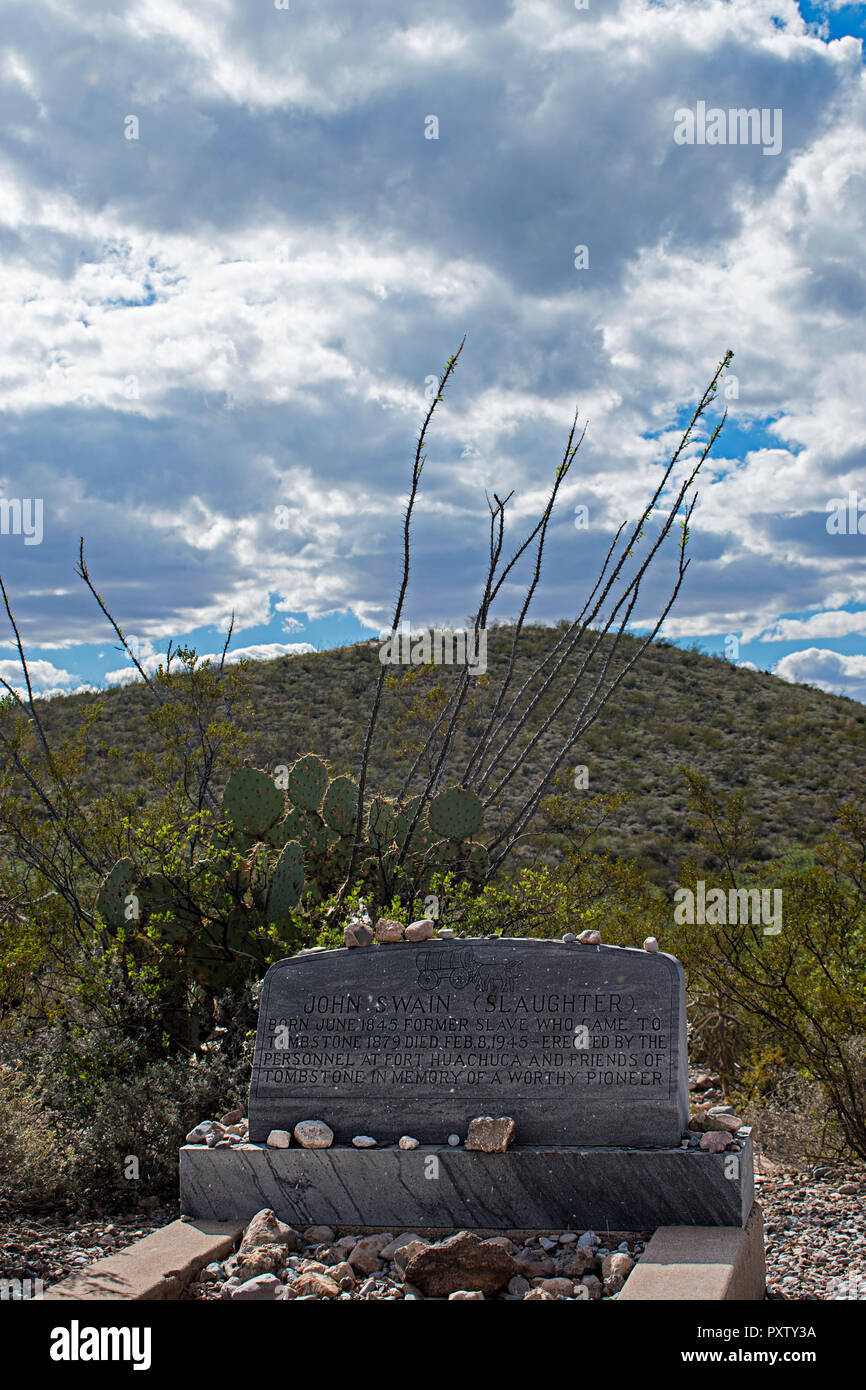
834, 672
261, 651
239, 311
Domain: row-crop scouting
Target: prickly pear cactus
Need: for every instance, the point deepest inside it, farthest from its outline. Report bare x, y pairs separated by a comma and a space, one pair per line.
307, 782
114, 889
381, 823
252, 801
456, 814
340, 805
287, 883
304, 826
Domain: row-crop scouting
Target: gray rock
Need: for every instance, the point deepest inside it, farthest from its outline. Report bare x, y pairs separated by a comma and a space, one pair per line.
265, 1288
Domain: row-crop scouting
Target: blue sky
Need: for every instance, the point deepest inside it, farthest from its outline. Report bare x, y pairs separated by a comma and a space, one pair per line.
231, 258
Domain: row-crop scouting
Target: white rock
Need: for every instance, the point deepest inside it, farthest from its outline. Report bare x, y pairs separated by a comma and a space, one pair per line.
650, 944
588, 1238
364, 1141
445, 931
265, 1287
407, 1142
279, 1139
313, 1134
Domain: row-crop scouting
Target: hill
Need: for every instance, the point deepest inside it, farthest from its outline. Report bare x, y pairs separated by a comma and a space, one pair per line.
796, 751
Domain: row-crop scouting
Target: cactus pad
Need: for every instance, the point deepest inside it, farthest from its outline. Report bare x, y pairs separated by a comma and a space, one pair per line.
113, 891
287, 883
308, 780
252, 801
340, 805
456, 814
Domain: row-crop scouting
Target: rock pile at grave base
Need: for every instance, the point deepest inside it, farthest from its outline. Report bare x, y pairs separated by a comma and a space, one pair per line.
276, 1263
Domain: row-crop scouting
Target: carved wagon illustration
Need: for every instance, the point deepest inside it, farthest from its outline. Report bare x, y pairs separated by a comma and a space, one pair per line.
463, 967
458, 968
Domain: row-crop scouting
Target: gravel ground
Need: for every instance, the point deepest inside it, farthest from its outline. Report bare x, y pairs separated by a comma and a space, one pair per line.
815, 1232
50, 1248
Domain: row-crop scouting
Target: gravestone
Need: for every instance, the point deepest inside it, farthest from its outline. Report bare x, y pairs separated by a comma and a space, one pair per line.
583, 1046
579, 1045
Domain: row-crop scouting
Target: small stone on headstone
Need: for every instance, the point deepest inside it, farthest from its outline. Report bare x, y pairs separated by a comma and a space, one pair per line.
364, 1141
313, 1134
489, 1135
388, 931
357, 934
650, 944
407, 1142
715, 1141
279, 1139
422, 930
454, 1140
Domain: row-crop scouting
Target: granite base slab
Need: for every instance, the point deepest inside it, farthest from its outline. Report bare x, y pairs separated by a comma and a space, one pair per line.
437, 1186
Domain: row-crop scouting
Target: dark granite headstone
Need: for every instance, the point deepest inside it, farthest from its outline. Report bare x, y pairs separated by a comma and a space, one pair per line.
580, 1045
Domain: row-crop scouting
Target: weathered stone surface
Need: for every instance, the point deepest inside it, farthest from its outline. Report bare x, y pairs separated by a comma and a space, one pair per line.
615, 1269
537, 1188
279, 1139
366, 1254
388, 931
706, 1122
424, 930
266, 1229
264, 1288
715, 1141
490, 1136
313, 1134
424, 1035
576, 1261
357, 934
464, 1262
405, 1252
264, 1259
156, 1267
315, 1285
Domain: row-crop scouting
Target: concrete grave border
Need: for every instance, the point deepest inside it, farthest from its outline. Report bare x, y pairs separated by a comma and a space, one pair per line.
158, 1266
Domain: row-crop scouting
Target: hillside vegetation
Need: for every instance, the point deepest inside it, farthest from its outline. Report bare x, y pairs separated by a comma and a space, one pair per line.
795, 751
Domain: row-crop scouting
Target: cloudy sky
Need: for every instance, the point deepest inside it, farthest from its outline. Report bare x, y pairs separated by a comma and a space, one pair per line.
237, 241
